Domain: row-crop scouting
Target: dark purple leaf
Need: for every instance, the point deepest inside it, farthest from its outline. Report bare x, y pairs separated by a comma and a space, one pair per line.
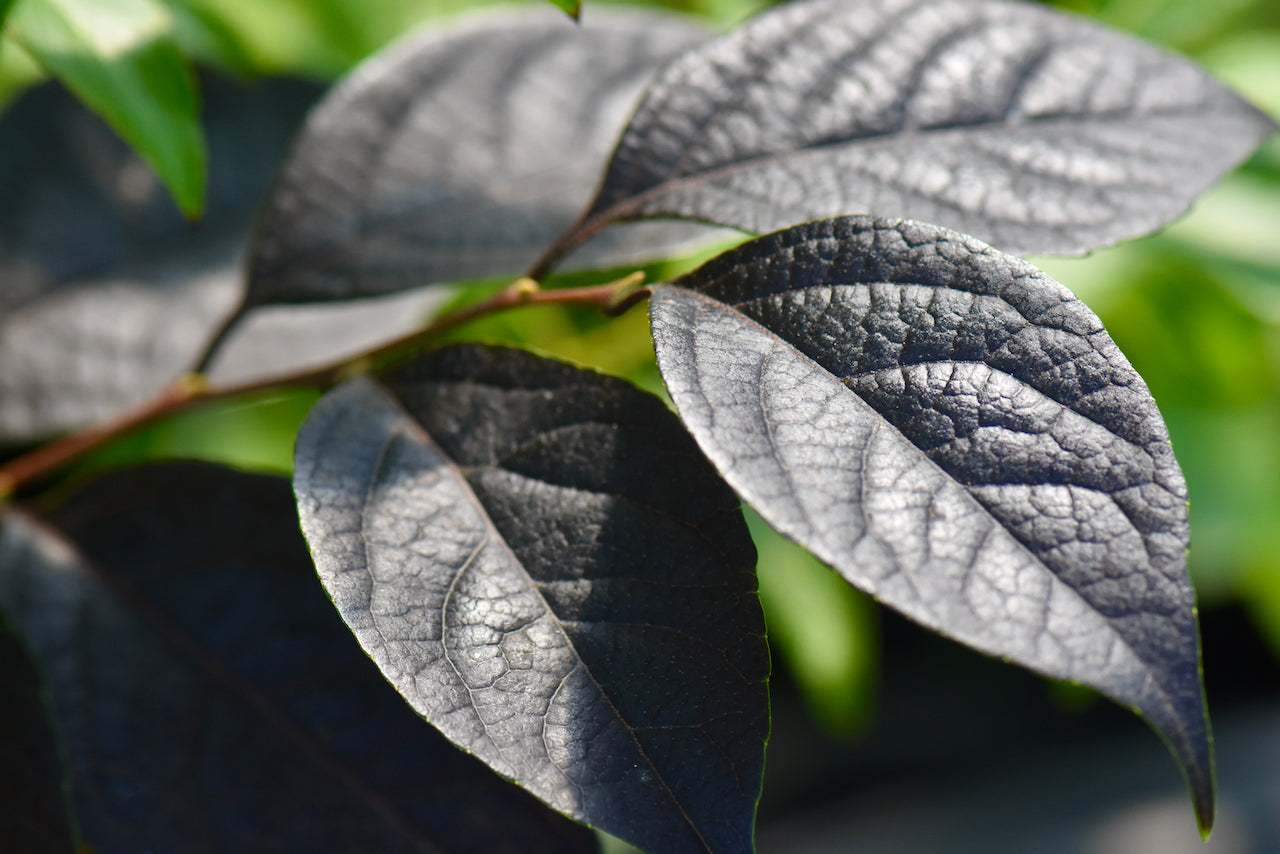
1029, 128
956, 434
542, 562
207, 697
460, 153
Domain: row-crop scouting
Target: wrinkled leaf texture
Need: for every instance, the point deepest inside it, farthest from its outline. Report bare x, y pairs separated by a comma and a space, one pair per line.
207, 698
460, 153
955, 433
539, 558
1028, 128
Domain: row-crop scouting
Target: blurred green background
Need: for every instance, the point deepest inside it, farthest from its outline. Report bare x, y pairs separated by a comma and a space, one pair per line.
1196, 309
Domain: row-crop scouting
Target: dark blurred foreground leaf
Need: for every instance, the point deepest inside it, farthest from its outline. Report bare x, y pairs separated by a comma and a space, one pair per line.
121, 60
459, 154
207, 697
541, 561
1028, 128
80, 204
108, 294
957, 435
93, 349
33, 814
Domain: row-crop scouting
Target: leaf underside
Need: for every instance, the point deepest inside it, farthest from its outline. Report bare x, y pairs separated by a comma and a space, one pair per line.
956, 434
198, 678
460, 154
543, 564
1033, 130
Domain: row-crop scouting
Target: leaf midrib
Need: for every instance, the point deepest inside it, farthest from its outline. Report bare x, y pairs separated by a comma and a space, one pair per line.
1157, 684
632, 207
494, 537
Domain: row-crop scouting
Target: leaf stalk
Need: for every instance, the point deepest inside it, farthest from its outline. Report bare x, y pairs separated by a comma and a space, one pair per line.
195, 389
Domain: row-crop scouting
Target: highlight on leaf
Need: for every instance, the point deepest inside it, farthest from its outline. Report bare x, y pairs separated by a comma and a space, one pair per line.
459, 153
204, 680
1033, 130
540, 560
954, 433
547, 564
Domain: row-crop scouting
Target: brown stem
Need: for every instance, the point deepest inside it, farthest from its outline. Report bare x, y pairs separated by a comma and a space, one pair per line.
193, 390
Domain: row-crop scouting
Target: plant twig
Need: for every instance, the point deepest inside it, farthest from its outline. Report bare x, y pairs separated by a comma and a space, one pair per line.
194, 389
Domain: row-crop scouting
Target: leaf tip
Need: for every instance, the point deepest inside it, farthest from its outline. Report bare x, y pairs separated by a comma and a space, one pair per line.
572, 8
189, 196
1204, 802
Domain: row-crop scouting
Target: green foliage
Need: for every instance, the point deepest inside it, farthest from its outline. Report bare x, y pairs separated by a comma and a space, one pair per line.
572, 8
122, 60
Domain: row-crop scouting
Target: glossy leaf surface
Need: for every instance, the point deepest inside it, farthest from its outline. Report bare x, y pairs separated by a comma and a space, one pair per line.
121, 59
199, 678
956, 434
1033, 130
541, 561
459, 154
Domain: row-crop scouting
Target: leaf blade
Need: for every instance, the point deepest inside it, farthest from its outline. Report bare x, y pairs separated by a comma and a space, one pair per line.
954, 433
36, 817
208, 662
1032, 130
110, 294
572, 8
643, 671
121, 60
458, 154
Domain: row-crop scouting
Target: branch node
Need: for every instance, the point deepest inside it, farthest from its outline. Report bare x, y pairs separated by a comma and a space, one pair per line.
627, 292
192, 384
356, 367
524, 288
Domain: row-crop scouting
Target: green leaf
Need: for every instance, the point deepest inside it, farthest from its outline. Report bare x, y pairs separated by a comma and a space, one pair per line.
955, 433
572, 8
5, 6
544, 565
121, 60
